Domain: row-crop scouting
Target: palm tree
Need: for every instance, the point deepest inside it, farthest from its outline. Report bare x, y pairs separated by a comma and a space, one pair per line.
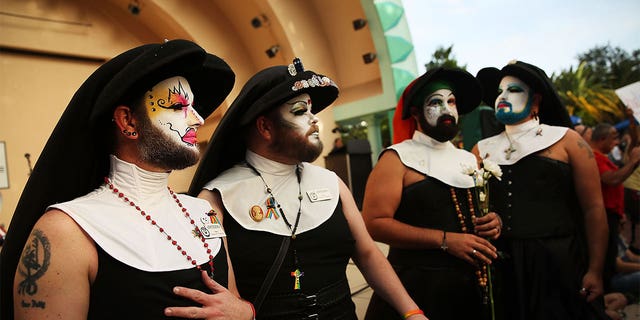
587, 98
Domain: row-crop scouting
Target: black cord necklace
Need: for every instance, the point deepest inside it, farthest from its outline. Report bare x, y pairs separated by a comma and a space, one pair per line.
271, 201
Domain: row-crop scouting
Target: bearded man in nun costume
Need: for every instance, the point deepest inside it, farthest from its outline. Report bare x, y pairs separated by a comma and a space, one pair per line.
421, 202
555, 228
112, 241
292, 226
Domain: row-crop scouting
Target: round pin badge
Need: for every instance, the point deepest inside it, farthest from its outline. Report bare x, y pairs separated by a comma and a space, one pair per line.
256, 213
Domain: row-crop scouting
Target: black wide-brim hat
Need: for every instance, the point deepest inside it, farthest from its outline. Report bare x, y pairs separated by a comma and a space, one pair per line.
464, 85
76, 158
266, 90
551, 111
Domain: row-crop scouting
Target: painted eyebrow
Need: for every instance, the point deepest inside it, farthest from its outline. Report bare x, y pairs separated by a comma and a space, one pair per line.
435, 95
296, 101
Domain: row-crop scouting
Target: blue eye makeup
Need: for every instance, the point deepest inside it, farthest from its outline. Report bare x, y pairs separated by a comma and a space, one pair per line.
515, 88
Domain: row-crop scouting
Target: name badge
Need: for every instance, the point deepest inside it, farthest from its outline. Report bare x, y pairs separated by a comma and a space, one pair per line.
211, 228
319, 195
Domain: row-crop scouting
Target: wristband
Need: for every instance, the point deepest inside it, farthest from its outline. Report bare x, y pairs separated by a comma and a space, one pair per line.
412, 313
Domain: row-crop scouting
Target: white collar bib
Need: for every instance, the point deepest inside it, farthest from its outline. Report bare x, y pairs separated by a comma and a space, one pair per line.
440, 160
519, 141
241, 190
123, 233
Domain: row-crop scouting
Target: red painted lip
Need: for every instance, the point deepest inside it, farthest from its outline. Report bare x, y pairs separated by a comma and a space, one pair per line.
503, 105
190, 137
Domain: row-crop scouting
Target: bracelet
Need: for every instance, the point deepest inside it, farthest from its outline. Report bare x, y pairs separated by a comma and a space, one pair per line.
253, 309
412, 313
443, 246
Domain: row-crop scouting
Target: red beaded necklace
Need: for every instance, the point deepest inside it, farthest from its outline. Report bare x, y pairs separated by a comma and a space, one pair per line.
162, 230
481, 273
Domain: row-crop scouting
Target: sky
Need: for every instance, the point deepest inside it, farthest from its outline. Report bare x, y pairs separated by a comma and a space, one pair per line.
547, 33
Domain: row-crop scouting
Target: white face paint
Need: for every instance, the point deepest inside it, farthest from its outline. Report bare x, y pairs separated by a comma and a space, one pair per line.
297, 111
439, 103
170, 107
296, 134
513, 103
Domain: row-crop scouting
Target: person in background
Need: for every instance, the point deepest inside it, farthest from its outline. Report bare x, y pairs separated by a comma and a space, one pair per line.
554, 236
292, 226
615, 303
584, 131
420, 202
100, 233
632, 194
626, 278
603, 139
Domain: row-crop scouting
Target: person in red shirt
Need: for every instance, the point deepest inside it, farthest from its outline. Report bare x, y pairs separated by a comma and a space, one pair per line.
603, 138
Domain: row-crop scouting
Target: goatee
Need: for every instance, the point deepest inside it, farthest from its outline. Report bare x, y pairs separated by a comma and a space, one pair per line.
445, 130
296, 146
160, 150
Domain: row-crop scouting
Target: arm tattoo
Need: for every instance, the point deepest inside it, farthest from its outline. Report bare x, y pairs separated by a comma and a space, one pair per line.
583, 144
33, 264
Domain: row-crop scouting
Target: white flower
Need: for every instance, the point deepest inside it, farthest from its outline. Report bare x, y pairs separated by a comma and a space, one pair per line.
482, 196
479, 178
493, 168
467, 169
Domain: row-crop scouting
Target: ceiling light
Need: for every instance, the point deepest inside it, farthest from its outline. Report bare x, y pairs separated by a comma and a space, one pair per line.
272, 51
359, 24
369, 57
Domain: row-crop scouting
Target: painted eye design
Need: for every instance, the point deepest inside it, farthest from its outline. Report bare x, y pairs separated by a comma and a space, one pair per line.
434, 102
515, 89
177, 106
299, 108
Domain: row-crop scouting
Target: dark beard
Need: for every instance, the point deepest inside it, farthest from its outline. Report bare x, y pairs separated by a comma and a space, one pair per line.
292, 145
441, 132
161, 151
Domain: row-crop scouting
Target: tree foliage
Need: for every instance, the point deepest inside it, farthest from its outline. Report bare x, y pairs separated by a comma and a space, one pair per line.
443, 57
612, 67
588, 91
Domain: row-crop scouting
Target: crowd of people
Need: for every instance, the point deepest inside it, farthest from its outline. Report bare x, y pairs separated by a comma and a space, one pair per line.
537, 222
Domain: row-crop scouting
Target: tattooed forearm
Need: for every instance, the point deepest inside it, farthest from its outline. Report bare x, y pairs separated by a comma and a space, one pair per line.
582, 144
33, 265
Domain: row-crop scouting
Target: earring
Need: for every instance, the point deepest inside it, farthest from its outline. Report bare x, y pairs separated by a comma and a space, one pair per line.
127, 133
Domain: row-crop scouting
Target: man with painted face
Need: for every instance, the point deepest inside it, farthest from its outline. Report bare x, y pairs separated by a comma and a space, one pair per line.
113, 241
420, 202
555, 228
292, 226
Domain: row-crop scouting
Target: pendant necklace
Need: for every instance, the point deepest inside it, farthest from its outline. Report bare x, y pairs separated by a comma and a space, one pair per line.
508, 151
271, 201
175, 243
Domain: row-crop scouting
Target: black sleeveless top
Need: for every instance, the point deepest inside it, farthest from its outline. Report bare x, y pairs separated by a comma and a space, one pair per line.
442, 285
543, 242
123, 292
323, 254
429, 204
536, 199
